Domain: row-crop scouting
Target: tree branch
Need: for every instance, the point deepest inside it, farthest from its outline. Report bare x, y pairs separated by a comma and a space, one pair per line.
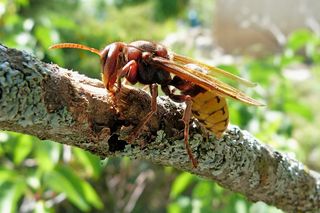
53, 103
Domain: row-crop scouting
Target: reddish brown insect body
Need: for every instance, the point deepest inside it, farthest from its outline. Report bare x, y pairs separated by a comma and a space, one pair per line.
150, 63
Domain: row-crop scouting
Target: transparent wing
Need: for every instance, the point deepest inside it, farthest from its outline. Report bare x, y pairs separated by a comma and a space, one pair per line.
214, 70
203, 80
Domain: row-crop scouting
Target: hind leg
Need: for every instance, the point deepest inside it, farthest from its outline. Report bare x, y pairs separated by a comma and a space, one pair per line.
186, 119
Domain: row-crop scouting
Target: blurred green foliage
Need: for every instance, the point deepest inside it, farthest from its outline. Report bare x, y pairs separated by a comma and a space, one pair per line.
34, 172
43, 176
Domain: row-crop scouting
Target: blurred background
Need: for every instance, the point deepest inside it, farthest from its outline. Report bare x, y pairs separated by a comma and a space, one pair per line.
273, 43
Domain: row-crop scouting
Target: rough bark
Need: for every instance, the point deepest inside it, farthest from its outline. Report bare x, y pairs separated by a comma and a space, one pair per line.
53, 103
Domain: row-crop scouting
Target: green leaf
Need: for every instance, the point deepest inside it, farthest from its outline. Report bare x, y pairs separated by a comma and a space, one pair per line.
10, 193
235, 116
44, 34
41, 207
203, 190
22, 148
22, 2
7, 174
63, 22
262, 70
91, 195
77, 190
48, 36
90, 162
288, 59
56, 56
61, 184
182, 204
180, 184
300, 109
299, 39
174, 208
82, 187
47, 154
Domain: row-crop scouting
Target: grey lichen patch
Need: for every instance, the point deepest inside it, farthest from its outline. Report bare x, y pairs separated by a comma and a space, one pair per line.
254, 180
170, 152
2, 48
133, 151
59, 117
215, 160
21, 92
289, 169
231, 158
161, 150
161, 136
195, 141
294, 179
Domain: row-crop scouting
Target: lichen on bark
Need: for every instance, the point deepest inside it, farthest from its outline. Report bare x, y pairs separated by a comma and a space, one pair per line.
60, 105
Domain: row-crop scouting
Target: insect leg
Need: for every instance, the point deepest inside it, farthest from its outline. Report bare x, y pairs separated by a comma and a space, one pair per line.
186, 119
172, 96
129, 71
144, 121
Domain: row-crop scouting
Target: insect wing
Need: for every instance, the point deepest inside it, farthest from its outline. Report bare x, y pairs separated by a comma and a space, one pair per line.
214, 70
205, 81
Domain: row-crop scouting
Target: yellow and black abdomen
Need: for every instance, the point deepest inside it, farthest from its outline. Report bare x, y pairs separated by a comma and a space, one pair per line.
212, 111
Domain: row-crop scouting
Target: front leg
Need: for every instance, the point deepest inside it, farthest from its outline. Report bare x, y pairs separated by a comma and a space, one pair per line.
129, 72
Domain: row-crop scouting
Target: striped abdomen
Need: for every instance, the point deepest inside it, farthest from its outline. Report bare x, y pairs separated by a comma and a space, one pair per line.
212, 111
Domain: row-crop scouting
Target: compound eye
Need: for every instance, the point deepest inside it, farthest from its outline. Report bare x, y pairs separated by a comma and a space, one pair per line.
104, 52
